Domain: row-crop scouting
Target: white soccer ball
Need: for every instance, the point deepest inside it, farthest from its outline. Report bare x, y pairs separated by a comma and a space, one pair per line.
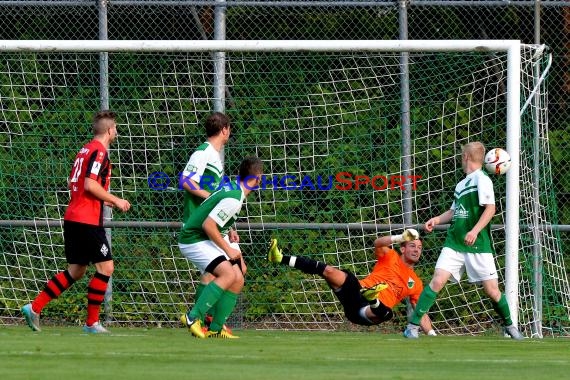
497, 161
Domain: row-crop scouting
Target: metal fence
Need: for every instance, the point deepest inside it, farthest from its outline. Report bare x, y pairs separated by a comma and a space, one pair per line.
546, 22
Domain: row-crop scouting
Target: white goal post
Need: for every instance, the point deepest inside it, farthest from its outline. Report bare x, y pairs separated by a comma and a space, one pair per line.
512, 49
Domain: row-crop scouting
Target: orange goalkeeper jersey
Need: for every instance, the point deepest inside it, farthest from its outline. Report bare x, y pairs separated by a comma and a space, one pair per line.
402, 280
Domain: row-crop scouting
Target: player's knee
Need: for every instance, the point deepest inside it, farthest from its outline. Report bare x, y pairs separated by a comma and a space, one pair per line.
230, 275
493, 292
439, 279
106, 268
334, 276
206, 278
77, 271
225, 274
226, 282
329, 271
436, 284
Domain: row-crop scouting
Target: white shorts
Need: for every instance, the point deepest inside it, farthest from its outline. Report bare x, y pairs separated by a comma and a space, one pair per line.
204, 252
479, 266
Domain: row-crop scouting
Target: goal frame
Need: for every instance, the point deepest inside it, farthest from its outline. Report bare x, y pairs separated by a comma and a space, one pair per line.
513, 101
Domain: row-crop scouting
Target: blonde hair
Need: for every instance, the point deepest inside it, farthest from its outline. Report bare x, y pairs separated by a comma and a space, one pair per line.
475, 151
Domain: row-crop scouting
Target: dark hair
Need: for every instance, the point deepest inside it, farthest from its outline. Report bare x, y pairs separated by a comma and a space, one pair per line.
250, 166
215, 123
97, 127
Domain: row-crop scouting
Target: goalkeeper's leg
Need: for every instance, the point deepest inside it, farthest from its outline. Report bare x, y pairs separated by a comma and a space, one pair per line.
378, 313
371, 294
334, 277
357, 309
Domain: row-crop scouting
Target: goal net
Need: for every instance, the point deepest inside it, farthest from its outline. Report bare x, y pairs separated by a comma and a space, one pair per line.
327, 126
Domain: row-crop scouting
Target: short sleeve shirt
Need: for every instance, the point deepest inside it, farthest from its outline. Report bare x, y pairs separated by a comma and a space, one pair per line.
470, 197
92, 161
402, 281
206, 168
223, 206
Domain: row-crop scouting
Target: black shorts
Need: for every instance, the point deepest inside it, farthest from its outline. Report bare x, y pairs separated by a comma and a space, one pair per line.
352, 301
85, 244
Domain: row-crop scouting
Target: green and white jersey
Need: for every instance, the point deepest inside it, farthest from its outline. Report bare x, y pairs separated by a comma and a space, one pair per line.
206, 168
471, 194
223, 206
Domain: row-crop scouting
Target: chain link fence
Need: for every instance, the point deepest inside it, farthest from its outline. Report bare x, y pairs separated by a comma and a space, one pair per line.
185, 105
190, 20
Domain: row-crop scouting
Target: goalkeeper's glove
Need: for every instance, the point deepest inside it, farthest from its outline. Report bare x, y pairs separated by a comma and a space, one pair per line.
408, 235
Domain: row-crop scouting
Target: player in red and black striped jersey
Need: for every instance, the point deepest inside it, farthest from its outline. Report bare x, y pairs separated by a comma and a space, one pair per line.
91, 163
83, 232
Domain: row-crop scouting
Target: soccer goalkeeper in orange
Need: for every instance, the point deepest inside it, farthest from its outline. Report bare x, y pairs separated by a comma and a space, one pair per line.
370, 301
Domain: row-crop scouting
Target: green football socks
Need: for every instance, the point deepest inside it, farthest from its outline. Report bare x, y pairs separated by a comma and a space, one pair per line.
502, 308
426, 301
200, 289
222, 310
210, 295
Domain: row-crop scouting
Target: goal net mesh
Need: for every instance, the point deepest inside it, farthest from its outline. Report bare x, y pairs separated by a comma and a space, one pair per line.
328, 128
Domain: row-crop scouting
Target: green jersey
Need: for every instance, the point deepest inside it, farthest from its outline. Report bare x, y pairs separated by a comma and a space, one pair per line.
223, 206
470, 197
206, 168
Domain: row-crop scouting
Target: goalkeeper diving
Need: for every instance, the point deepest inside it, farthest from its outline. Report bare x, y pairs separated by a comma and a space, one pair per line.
369, 301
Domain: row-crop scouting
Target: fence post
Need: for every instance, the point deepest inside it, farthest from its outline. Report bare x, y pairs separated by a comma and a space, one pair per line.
104, 104
405, 113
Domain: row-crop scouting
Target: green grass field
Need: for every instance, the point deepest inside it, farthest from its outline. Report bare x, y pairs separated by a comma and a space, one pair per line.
67, 353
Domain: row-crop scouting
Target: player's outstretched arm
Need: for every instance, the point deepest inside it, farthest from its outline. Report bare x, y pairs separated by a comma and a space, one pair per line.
441, 219
385, 241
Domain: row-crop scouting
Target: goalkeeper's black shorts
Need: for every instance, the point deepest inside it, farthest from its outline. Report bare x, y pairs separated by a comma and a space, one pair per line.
352, 301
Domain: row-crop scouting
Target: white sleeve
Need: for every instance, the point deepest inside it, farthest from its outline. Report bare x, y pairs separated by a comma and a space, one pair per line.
485, 191
225, 210
196, 165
